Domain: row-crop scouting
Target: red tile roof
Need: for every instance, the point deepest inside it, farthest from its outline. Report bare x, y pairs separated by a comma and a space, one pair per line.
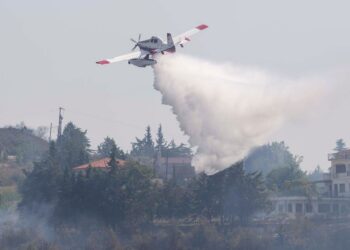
102, 163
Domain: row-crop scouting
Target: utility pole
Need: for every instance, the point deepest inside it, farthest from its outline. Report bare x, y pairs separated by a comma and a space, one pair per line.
50, 132
60, 119
167, 163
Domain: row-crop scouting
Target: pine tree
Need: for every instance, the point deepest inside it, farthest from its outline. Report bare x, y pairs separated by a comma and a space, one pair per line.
160, 141
340, 145
113, 162
148, 143
73, 147
105, 149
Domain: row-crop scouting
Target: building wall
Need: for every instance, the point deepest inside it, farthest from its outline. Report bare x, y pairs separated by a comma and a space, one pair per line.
178, 168
340, 173
300, 205
333, 198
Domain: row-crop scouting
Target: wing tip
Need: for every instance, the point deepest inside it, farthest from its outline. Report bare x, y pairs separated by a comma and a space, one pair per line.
102, 62
202, 27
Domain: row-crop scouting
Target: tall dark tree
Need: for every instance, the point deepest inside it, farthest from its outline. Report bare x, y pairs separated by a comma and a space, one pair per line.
149, 144
73, 147
144, 147
113, 159
229, 194
105, 149
242, 194
160, 141
340, 145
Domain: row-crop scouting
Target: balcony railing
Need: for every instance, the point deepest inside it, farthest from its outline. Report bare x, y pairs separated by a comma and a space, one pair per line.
342, 155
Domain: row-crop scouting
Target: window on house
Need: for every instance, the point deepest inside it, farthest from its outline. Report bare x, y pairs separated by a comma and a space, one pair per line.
344, 209
299, 208
290, 208
280, 208
308, 207
335, 208
341, 188
335, 189
340, 168
324, 208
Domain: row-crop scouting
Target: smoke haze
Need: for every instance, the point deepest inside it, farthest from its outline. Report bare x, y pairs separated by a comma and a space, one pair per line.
227, 109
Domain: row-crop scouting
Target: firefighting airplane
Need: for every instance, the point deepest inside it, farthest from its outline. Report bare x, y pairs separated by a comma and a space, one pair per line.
154, 45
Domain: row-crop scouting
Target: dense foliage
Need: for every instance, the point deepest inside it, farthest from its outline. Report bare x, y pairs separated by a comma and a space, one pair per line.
129, 195
340, 145
22, 143
106, 147
270, 156
146, 147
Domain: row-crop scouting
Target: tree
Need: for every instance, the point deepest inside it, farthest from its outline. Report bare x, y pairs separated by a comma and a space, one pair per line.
113, 160
340, 145
43, 183
144, 147
268, 157
149, 145
316, 175
242, 194
105, 149
178, 151
160, 141
229, 194
41, 132
73, 147
288, 180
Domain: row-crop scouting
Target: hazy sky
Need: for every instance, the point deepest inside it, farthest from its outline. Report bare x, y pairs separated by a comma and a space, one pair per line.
48, 50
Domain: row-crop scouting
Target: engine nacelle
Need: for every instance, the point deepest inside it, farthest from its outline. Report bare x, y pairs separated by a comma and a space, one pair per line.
139, 62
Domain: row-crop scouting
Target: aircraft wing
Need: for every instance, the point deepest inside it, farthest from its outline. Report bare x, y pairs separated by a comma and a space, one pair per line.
128, 56
185, 37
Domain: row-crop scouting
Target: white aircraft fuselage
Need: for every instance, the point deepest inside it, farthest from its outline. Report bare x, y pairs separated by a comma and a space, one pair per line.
150, 47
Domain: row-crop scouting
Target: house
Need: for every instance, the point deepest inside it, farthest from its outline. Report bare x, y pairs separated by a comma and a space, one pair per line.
310, 206
178, 168
333, 199
339, 173
99, 164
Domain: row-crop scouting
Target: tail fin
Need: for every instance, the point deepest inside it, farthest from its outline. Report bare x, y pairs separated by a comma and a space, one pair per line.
170, 42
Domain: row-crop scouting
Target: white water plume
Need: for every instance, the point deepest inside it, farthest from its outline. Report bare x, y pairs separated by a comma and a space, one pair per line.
226, 109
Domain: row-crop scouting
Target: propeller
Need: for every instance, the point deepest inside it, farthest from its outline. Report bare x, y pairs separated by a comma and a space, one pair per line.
136, 43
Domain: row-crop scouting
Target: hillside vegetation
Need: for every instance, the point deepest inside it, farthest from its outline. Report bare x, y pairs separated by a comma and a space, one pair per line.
22, 143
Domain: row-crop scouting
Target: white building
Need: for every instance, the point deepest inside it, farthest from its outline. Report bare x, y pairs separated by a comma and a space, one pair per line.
333, 199
310, 206
339, 173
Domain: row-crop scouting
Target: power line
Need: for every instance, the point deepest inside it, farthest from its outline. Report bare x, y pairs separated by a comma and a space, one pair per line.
110, 120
